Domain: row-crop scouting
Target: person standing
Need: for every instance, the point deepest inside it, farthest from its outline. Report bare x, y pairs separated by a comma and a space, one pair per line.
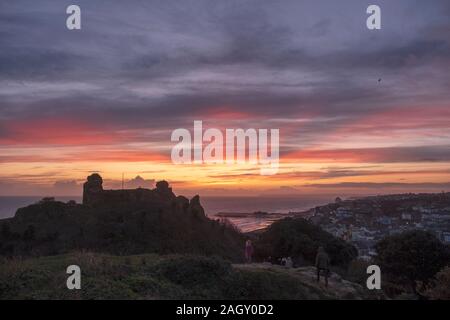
322, 264
248, 251
289, 264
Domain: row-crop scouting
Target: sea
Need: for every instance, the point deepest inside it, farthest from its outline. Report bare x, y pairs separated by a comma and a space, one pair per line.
216, 207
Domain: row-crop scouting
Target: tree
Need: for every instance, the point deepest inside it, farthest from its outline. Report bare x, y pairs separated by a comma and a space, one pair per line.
300, 239
411, 256
440, 289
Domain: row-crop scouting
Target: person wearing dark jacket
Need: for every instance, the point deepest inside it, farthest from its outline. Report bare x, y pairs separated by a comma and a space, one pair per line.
248, 251
322, 264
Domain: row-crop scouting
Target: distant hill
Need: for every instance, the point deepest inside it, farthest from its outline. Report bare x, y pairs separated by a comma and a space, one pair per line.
119, 222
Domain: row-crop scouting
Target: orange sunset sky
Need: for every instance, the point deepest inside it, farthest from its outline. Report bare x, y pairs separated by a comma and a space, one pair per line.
359, 111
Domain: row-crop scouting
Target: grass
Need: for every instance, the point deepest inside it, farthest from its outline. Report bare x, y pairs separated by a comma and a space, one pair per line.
151, 276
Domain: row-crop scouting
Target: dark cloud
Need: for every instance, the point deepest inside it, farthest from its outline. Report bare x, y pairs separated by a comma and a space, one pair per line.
160, 64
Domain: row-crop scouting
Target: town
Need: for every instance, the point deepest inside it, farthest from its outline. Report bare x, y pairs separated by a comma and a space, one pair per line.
365, 221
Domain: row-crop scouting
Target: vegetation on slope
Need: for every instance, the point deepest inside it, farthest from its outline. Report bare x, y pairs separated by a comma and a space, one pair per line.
300, 239
163, 277
52, 227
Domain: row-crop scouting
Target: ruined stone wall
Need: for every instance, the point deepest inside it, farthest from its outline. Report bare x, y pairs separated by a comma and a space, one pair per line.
94, 194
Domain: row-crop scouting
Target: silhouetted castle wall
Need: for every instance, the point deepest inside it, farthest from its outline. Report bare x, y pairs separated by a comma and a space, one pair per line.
94, 194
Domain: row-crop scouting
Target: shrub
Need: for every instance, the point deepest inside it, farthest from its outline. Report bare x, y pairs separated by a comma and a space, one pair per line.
300, 239
411, 256
440, 288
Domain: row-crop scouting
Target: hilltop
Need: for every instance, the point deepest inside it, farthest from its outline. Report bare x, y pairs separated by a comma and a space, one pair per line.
119, 222
138, 221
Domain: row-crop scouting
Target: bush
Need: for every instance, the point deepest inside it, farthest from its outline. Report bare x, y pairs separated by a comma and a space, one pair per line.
300, 240
411, 257
440, 289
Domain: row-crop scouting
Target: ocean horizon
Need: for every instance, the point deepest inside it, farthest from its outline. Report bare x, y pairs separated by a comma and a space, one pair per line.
211, 204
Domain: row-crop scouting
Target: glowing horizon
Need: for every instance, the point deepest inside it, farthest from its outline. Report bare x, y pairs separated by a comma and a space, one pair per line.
359, 111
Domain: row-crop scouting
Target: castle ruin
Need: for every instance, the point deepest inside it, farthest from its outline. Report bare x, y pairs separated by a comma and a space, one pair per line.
94, 194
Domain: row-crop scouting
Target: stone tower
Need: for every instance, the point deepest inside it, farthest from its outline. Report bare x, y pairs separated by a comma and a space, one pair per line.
92, 189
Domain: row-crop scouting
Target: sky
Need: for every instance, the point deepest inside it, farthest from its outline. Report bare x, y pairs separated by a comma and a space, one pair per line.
359, 111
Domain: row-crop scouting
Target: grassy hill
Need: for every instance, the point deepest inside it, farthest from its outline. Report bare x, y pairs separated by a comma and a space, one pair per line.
152, 244
154, 276
178, 226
